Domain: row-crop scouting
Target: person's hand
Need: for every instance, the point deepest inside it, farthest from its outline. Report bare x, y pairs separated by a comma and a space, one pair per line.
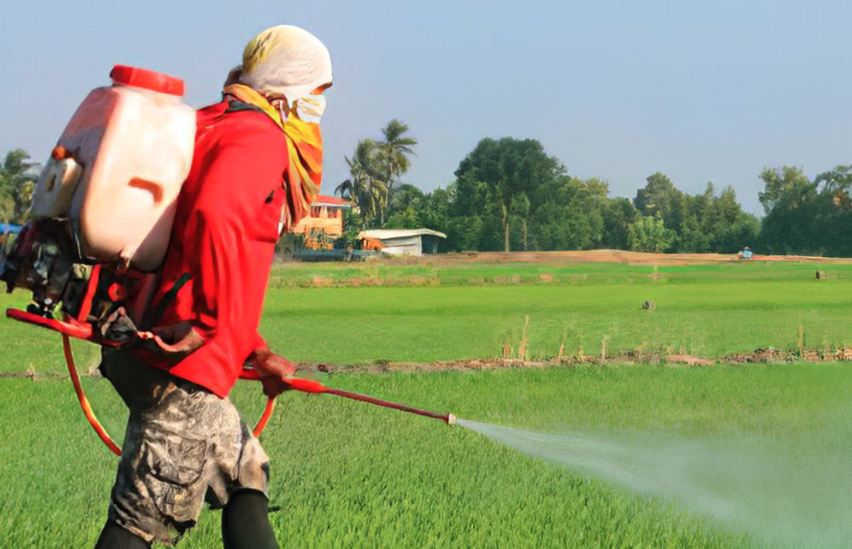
273, 369
173, 343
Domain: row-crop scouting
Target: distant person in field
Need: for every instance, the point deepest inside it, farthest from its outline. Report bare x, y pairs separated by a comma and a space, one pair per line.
256, 168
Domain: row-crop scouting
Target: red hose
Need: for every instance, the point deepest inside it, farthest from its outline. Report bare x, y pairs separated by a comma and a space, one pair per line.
83, 331
84, 402
96, 424
264, 419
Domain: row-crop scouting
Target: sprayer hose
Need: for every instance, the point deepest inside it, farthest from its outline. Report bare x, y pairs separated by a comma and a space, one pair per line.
96, 424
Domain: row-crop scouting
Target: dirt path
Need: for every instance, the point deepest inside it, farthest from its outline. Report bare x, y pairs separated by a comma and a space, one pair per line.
630, 358
616, 256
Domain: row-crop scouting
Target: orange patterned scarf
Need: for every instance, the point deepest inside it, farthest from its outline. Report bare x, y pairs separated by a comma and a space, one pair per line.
304, 145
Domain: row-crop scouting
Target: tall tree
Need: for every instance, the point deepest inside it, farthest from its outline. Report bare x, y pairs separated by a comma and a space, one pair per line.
792, 206
393, 152
569, 214
835, 192
650, 234
17, 180
366, 185
837, 183
405, 207
507, 172
655, 198
618, 214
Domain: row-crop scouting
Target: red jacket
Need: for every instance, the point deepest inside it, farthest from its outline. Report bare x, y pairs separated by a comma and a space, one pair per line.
224, 236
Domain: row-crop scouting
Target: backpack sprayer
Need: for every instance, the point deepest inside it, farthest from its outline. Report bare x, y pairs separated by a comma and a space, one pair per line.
102, 212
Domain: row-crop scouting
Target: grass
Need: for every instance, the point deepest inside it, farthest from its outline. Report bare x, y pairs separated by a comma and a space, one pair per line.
350, 475
472, 273
706, 310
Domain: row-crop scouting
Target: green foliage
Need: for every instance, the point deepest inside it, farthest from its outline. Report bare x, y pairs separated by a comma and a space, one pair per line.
352, 227
618, 214
17, 181
804, 216
700, 223
496, 182
658, 197
404, 206
792, 205
650, 234
509, 194
570, 214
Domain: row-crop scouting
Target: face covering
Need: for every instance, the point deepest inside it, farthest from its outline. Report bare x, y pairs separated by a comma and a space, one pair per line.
309, 108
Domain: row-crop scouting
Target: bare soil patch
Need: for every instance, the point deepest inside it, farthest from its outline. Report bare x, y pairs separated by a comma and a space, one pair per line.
638, 357
615, 256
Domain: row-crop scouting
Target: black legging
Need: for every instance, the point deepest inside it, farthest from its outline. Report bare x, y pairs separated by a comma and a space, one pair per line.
245, 524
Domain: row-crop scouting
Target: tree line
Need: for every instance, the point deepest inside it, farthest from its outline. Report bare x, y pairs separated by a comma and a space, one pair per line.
509, 194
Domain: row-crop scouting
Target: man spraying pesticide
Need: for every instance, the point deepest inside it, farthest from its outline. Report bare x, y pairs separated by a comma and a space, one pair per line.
154, 231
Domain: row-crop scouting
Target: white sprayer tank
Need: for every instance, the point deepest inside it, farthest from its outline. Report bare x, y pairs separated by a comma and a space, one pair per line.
118, 168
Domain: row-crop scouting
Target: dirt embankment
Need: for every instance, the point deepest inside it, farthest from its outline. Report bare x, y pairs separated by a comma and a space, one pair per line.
629, 358
759, 356
616, 256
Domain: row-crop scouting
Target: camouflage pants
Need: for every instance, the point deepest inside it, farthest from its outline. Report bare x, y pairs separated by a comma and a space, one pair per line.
183, 446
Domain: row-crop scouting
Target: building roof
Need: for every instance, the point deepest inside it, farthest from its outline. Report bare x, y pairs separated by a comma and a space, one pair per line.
387, 234
333, 201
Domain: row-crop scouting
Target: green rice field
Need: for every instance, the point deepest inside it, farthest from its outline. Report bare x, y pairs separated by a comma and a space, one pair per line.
426, 313
347, 474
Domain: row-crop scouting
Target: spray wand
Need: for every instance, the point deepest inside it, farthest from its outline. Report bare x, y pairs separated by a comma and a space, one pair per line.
315, 387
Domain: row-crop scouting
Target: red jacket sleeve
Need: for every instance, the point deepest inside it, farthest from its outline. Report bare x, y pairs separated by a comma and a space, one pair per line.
235, 220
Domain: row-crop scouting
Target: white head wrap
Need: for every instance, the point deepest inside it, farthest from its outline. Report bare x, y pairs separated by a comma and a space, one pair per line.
288, 60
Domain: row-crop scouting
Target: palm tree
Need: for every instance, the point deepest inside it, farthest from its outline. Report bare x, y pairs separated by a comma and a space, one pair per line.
393, 153
366, 186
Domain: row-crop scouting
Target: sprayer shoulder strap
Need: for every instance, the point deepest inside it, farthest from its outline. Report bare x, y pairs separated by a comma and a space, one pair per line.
156, 313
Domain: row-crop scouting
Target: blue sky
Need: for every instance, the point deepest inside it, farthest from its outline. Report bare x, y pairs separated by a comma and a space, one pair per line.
702, 91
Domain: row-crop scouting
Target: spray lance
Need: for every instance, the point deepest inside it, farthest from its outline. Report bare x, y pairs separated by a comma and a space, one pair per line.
311, 386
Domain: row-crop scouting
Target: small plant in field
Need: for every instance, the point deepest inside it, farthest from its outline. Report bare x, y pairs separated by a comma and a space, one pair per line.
522, 350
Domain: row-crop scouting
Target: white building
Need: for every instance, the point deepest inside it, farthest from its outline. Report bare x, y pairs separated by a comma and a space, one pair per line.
403, 241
